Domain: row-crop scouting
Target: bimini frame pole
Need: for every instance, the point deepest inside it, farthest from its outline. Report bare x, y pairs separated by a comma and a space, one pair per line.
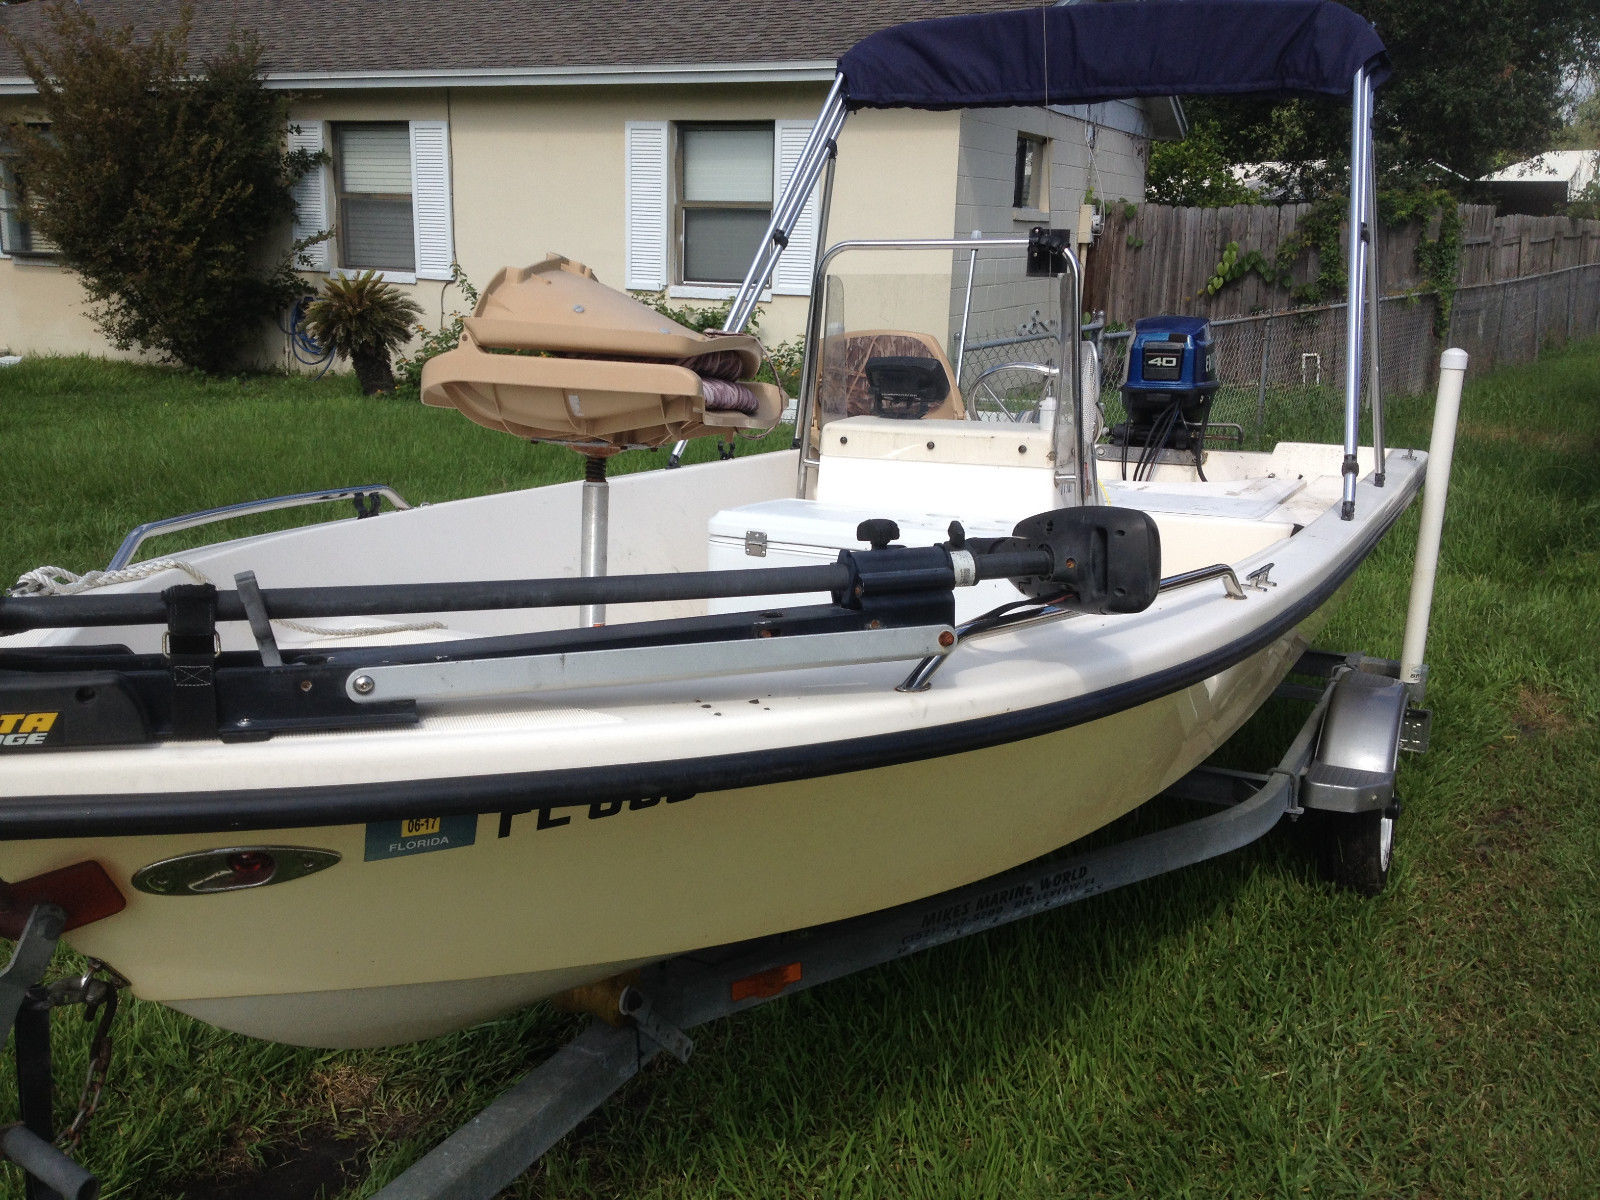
1355, 315
1374, 310
814, 156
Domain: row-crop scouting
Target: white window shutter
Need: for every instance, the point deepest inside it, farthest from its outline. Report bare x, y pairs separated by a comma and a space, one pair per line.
792, 275
430, 199
310, 197
647, 205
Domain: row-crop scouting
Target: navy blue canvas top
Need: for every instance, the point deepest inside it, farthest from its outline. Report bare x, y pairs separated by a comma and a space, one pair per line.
1082, 53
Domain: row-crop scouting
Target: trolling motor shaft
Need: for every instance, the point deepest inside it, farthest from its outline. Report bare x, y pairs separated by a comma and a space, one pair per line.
1069, 551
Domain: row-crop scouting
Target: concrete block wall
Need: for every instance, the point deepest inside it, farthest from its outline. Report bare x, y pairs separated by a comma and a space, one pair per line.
1094, 151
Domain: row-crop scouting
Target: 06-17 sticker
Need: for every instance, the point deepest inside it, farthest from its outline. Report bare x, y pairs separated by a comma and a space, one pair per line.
419, 835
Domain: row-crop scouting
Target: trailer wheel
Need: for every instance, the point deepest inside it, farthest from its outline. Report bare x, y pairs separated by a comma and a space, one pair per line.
1354, 850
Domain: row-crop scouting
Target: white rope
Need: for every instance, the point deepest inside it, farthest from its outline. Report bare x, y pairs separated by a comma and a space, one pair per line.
360, 630
57, 581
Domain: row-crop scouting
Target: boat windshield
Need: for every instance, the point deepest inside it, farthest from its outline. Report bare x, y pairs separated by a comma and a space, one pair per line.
912, 333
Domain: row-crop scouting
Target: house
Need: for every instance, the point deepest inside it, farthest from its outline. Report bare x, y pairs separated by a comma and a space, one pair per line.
1543, 184
646, 138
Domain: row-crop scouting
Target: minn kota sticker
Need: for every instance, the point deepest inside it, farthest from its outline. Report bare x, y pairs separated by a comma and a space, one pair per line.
419, 835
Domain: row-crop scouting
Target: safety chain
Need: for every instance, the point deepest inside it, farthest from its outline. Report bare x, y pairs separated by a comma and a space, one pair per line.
98, 996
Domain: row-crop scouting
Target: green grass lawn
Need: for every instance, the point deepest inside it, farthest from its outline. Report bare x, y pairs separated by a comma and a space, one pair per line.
93, 448
1232, 1030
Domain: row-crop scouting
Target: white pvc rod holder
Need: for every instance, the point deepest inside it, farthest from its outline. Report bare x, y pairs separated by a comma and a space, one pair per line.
1441, 448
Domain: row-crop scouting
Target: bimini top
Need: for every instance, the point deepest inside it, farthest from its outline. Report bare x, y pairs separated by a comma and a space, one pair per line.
1082, 53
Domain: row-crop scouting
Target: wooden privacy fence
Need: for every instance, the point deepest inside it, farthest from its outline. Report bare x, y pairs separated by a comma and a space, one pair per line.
1512, 247
1151, 258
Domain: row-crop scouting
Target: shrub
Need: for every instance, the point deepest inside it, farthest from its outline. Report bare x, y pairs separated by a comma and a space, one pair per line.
446, 337
165, 187
366, 320
784, 362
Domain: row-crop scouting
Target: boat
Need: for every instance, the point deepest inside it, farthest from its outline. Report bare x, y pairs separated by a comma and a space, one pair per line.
373, 780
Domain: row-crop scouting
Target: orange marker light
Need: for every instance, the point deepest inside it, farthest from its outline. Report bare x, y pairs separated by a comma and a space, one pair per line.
763, 985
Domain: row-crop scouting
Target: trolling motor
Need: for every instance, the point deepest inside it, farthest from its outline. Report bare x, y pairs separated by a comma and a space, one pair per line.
1172, 380
1092, 560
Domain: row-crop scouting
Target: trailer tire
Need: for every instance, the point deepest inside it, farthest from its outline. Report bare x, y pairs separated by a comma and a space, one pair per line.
1355, 850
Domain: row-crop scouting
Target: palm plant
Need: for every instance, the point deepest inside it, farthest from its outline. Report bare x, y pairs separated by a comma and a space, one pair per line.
366, 320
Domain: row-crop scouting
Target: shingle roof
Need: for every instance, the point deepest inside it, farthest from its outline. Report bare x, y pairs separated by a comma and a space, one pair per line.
498, 35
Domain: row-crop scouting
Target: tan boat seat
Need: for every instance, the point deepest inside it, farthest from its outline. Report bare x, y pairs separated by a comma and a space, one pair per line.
552, 354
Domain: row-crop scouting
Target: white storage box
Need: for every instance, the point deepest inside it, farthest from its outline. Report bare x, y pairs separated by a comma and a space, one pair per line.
803, 533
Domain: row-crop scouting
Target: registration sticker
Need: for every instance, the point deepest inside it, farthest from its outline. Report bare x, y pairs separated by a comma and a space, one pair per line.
419, 835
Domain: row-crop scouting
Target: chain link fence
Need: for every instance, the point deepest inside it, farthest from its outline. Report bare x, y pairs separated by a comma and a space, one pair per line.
1285, 371
1513, 321
997, 376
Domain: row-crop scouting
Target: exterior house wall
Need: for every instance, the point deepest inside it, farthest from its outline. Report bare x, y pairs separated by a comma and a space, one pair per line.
43, 309
895, 179
540, 170
545, 173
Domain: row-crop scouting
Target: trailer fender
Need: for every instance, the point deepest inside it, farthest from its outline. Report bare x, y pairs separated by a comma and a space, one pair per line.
1354, 767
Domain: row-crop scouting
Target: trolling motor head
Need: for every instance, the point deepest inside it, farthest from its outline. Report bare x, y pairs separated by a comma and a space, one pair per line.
1097, 559
1103, 559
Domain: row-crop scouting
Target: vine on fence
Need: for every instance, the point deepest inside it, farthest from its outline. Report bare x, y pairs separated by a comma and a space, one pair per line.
1317, 232
1439, 256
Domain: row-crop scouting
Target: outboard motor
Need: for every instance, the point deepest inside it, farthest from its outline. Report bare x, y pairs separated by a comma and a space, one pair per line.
1172, 379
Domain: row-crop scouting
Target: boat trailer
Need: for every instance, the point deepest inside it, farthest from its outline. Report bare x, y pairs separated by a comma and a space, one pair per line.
1338, 772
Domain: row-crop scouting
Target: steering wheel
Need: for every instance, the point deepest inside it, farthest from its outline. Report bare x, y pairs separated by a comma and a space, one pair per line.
1038, 370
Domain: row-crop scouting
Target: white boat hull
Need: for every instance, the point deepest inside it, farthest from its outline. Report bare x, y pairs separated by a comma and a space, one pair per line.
409, 947
840, 796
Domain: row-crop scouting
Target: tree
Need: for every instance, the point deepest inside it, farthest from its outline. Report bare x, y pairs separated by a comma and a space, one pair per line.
1195, 171
165, 188
1583, 131
1476, 84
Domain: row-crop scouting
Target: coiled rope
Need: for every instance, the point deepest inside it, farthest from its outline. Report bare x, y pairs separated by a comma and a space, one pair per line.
57, 581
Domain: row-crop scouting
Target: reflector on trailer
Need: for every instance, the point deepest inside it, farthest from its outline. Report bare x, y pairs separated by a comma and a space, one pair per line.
764, 985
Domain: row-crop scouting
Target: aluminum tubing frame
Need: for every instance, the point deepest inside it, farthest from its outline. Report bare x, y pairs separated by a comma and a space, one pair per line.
814, 155
140, 533
1071, 439
30, 1143
1361, 204
1374, 311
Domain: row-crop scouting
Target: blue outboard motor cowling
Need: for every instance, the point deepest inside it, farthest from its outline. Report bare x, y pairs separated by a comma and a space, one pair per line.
1172, 378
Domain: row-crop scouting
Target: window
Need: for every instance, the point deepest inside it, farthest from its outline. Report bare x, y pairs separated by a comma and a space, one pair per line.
16, 236
724, 199
1029, 188
698, 198
388, 186
372, 182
